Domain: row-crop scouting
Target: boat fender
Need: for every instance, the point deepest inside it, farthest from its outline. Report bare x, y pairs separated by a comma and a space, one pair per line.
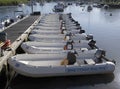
71, 58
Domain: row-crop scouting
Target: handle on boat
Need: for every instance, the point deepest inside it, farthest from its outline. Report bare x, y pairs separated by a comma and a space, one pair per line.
108, 59
101, 54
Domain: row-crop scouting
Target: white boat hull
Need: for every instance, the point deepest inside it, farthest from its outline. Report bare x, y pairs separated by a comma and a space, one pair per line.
41, 66
42, 47
38, 37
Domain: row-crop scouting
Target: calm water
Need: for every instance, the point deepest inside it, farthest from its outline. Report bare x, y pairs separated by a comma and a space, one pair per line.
105, 29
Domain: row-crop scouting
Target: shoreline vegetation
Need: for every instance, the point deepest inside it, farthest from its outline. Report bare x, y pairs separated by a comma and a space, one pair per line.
12, 2
17, 2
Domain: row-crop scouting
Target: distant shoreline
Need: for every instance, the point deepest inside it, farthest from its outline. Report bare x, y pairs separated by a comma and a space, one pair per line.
12, 2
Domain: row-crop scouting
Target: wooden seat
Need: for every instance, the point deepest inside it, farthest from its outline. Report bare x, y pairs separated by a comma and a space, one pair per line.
89, 61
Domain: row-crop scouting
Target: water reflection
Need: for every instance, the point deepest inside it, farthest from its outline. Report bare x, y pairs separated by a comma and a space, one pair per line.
72, 82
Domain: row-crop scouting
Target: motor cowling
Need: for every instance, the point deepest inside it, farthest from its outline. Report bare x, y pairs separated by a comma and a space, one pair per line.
71, 58
77, 24
100, 53
89, 37
82, 31
92, 44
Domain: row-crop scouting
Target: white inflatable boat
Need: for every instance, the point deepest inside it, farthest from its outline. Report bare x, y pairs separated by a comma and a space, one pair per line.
38, 37
40, 47
48, 65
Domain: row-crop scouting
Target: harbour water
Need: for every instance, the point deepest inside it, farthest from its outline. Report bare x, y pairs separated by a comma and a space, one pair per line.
105, 29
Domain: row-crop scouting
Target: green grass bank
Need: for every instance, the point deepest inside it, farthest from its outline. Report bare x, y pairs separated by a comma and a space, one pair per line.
11, 2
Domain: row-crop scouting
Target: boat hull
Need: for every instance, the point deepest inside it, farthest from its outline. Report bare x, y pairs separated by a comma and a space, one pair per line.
48, 68
48, 47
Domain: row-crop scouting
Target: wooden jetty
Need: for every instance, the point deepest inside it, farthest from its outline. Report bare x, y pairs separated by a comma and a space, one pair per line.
17, 34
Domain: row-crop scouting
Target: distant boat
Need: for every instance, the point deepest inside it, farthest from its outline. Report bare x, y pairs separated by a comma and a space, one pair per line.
58, 8
89, 8
106, 6
20, 5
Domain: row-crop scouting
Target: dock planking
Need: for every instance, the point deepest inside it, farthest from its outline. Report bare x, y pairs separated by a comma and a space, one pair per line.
16, 30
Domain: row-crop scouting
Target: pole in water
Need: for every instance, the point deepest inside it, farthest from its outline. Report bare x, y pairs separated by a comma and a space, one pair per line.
110, 14
31, 5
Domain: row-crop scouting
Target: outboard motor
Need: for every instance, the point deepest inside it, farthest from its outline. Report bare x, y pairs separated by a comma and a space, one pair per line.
89, 37
77, 24
92, 44
100, 53
82, 31
72, 20
79, 28
71, 58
